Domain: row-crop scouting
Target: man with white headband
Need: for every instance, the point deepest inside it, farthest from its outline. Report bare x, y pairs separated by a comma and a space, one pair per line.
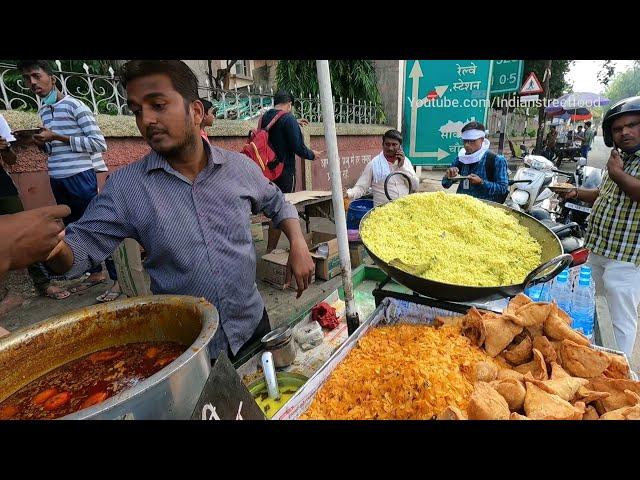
487, 172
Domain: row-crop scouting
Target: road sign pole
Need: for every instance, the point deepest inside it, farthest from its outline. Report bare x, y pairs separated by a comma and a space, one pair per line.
503, 127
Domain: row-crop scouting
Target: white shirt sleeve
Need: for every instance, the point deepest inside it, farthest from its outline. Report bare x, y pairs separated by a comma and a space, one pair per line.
362, 185
5, 131
407, 168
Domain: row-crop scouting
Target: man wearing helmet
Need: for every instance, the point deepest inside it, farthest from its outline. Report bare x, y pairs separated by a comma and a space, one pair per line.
613, 232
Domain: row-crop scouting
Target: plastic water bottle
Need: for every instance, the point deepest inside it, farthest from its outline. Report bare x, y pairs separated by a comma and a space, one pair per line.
545, 291
561, 291
534, 292
583, 307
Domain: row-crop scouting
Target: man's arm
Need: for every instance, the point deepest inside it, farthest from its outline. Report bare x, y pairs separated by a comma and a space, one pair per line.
268, 198
362, 185
446, 181
407, 168
627, 183
295, 138
28, 237
7, 155
500, 184
95, 236
91, 140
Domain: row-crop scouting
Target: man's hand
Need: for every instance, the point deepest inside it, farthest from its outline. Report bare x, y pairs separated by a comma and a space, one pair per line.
452, 172
573, 193
475, 179
303, 122
29, 237
301, 266
400, 158
615, 165
4, 145
317, 154
45, 135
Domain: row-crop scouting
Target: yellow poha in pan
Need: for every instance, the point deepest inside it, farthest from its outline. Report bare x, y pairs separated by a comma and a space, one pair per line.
454, 239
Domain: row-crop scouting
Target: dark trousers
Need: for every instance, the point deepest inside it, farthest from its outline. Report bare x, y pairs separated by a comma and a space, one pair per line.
76, 192
261, 330
37, 271
111, 268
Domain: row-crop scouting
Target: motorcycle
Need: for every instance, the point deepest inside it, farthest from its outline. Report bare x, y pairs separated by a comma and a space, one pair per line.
529, 194
575, 210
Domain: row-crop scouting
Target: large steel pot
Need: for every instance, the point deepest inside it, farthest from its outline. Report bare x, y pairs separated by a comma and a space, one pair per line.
171, 393
553, 262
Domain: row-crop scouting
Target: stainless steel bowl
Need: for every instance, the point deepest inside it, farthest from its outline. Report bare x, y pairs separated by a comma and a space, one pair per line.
171, 393
281, 345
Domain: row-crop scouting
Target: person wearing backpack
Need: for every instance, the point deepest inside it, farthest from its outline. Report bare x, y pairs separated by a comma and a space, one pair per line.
487, 172
285, 138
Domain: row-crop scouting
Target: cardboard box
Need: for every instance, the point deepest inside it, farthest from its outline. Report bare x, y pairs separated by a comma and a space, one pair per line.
134, 280
324, 246
273, 269
358, 255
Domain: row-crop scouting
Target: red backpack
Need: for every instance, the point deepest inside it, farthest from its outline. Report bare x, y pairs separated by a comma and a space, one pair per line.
259, 150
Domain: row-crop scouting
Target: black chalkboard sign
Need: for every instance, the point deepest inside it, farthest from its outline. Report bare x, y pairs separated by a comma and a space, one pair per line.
225, 397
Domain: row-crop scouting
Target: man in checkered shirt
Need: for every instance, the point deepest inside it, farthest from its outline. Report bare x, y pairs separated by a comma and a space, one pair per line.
613, 233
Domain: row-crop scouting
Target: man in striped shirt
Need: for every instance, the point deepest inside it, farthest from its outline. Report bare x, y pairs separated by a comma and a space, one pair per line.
613, 233
189, 204
72, 139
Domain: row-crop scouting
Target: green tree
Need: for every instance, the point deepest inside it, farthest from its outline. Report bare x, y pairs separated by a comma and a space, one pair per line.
352, 79
624, 84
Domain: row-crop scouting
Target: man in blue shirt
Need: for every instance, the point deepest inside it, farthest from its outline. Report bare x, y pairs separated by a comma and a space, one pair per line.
487, 172
287, 141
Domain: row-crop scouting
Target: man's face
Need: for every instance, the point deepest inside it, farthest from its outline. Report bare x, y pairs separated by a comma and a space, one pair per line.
472, 146
39, 81
626, 131
167, 125
390, 147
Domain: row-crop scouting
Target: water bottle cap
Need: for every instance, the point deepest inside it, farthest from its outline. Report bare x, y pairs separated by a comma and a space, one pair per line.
585, 274
585, 268
563, 278
584, 281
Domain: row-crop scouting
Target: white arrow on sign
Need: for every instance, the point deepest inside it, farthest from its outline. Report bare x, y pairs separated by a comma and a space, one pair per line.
440, 154
439, 91
415, 75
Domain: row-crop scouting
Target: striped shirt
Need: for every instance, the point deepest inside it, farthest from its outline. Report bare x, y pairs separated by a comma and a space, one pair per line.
72, 118
614, 223
197, 235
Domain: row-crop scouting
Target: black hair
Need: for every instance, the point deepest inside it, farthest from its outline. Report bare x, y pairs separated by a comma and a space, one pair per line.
182, 77
35, 64
393, 135
283, 96
588, 124
207, 105
473, 126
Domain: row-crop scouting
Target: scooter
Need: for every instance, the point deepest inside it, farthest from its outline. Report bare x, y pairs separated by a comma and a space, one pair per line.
575, 210
529, 194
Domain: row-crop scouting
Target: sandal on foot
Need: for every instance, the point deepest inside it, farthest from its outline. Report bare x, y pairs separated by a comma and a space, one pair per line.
108, 296
60, 294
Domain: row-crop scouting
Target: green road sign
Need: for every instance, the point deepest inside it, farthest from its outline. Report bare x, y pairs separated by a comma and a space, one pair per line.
506, 76
441, 96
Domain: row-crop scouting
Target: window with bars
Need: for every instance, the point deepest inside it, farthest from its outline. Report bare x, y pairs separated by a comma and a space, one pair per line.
241, 67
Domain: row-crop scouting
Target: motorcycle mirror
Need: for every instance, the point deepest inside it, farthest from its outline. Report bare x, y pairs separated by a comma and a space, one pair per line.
582, 161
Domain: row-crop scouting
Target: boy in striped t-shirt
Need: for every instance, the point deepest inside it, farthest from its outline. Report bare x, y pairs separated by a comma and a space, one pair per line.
72, 139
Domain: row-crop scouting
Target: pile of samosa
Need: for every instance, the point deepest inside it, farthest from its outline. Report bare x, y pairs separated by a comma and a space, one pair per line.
542, 369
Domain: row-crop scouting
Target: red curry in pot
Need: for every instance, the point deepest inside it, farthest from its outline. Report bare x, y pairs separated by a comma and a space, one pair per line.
89, 380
